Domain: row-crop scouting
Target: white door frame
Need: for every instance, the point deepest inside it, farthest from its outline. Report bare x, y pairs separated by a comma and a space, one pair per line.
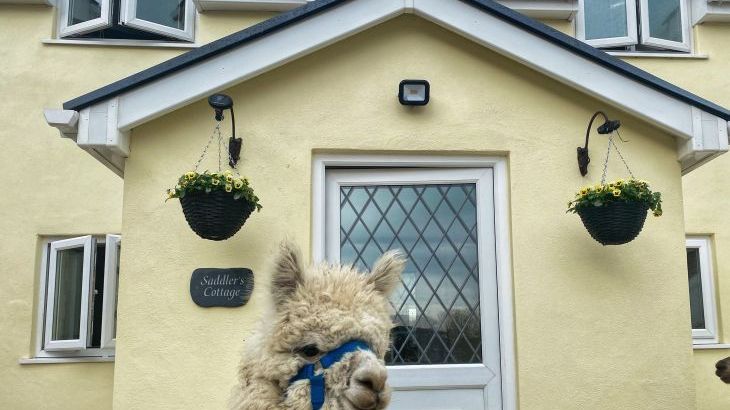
501, 229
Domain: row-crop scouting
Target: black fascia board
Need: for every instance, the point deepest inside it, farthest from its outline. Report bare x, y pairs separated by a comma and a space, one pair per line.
598, 56
310, 9
201, 53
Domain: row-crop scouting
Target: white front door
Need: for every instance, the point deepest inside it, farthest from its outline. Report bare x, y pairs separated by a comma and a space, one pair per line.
445, 351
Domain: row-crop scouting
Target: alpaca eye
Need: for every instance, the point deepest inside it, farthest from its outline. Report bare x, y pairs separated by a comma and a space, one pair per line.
309, 351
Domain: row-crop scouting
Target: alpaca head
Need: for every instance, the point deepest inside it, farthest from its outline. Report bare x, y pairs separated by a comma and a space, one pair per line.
723, 370
322, 307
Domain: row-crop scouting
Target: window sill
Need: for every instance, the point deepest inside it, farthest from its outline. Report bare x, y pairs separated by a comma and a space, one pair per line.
711, 346
120, 43
639, 54
54, 360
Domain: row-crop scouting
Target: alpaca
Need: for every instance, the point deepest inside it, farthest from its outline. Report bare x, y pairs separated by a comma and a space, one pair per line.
723, 370
316, 310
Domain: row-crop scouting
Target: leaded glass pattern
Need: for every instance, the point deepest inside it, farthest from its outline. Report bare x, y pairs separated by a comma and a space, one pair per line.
437, 313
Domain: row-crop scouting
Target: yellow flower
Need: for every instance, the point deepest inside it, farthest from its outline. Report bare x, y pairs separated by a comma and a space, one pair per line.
229, 178
229, 187
215, 181
228, 172
190, 175
657, 213
238, 184
616, 192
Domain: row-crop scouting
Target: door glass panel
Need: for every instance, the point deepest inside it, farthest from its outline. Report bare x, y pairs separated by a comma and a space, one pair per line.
605, 19
80, 11
67, 298
665, 19
697, 305
437, 314
170, 13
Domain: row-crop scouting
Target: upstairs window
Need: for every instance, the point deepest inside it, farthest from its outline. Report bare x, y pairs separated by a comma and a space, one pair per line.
635, 25
161, 20
79, 297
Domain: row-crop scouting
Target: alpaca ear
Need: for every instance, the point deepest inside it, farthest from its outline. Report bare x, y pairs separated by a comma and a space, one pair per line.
386, 272
287, 272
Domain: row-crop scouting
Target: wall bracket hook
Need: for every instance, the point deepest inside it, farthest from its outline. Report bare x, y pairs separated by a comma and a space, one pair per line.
220, 103
607, 127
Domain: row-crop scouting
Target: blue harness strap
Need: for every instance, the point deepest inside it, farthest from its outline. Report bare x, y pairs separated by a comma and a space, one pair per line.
316, 381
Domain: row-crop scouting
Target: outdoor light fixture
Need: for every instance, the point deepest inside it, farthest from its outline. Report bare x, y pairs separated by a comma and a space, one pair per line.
220, 103
608, 127
414, 92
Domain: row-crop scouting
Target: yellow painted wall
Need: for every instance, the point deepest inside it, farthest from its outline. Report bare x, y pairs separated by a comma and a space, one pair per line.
53, 188
597, 328
706, 191
65, 192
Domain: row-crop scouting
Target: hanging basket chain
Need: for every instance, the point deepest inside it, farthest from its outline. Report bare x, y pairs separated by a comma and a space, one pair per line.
618, 151
205, 149
611, 143
222, 145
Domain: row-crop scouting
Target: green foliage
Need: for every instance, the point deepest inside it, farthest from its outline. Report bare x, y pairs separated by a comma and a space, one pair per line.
215, 181
630, 190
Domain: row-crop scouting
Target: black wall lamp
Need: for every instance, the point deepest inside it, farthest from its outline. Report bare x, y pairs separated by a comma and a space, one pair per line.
414, 92
607, 127
220, 103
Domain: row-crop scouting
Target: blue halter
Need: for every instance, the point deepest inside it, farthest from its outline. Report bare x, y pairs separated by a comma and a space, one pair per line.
316, 381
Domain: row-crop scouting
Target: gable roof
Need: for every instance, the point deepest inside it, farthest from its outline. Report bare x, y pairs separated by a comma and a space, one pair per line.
101, 121
283, 20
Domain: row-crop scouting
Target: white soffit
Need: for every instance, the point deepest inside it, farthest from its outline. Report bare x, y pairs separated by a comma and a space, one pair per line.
44, 2
708, 11
539, 9
252, 58
253, 5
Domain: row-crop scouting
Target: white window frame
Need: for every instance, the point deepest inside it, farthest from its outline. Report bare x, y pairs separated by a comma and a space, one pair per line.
101, 22
108, 335
709, 335
44, 355
632, 28
87, 243
647, 39
128, 17
498, 166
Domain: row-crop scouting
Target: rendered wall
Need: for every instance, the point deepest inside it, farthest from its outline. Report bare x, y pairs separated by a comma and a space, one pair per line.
597, 327
51, 187
707, 192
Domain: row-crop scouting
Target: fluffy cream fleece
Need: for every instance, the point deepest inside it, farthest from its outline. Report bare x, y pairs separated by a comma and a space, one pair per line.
325, 306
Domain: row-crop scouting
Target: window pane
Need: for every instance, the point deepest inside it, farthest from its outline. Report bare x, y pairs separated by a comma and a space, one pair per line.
605, 19
67, 306
665, 19
80, 11
437, 314
170, 13
116, 294
696, 301
97, 298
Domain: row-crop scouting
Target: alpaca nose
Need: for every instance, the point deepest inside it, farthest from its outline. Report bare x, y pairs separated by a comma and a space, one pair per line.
721, 365
371, 377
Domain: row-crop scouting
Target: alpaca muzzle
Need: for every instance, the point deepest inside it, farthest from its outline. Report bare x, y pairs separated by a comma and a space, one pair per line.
316, 381
367, 386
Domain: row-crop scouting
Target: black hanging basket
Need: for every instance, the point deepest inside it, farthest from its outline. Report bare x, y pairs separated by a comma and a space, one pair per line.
215, 215
615, 223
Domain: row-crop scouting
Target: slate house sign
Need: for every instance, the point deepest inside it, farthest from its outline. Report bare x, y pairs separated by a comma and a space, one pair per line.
221, 287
